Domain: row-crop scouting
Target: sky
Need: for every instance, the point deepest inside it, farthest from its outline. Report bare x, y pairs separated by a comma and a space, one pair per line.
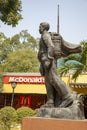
72, 19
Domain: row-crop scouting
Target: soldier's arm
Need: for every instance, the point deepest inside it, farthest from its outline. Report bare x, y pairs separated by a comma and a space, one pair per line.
49, 44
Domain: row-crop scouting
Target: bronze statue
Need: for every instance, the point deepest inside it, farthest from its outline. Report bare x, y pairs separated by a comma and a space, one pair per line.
58, 94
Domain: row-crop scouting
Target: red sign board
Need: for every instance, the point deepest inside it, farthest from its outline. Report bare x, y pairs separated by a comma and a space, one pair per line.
23, 79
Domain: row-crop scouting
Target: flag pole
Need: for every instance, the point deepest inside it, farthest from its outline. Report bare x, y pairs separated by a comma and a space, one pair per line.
58, 20
57, 24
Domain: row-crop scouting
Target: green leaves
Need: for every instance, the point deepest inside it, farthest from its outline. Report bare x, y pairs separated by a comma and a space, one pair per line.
24, 112
10, 11
19, 53
8, 116
84, 55
21, 61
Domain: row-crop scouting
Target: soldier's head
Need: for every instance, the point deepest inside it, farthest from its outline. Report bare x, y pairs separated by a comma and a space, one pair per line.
44, 26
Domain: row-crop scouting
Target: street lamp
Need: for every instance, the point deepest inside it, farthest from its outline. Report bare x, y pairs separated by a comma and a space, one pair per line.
13, 85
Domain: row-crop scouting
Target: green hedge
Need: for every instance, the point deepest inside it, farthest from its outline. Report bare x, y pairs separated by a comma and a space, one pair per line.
24, 112
8, 117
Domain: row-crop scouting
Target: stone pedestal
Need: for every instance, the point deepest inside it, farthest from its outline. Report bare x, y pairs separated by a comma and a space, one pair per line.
31, 123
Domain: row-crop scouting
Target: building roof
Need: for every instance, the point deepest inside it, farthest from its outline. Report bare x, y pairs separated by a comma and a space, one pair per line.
21, 74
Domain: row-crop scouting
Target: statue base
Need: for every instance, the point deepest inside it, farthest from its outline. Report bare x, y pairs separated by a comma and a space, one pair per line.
38, 123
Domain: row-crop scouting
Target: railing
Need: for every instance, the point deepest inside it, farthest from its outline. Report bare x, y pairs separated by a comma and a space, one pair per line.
78, 85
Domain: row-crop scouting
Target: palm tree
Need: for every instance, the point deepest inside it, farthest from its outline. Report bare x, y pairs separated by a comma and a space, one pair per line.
75, 63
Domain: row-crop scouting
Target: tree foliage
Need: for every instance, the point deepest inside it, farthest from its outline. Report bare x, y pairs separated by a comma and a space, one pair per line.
21, 61
19, 53
10, 11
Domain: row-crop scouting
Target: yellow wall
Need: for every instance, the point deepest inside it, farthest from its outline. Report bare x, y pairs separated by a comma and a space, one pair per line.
26, 88
81, 79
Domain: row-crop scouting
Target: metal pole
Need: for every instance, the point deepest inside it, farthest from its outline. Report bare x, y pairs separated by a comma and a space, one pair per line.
5, 100
12, 100
58, 21
13, 84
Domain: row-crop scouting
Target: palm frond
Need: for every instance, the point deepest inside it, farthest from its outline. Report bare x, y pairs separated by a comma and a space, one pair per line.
77, 72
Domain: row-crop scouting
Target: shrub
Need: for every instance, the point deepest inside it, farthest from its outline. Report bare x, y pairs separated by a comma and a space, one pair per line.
24, 112
8, 116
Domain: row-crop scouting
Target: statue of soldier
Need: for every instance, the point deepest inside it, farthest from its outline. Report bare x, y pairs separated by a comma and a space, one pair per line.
56, 88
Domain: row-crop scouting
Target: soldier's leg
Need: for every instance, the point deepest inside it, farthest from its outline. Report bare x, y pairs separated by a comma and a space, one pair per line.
62, 89
50, 95
64, 93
